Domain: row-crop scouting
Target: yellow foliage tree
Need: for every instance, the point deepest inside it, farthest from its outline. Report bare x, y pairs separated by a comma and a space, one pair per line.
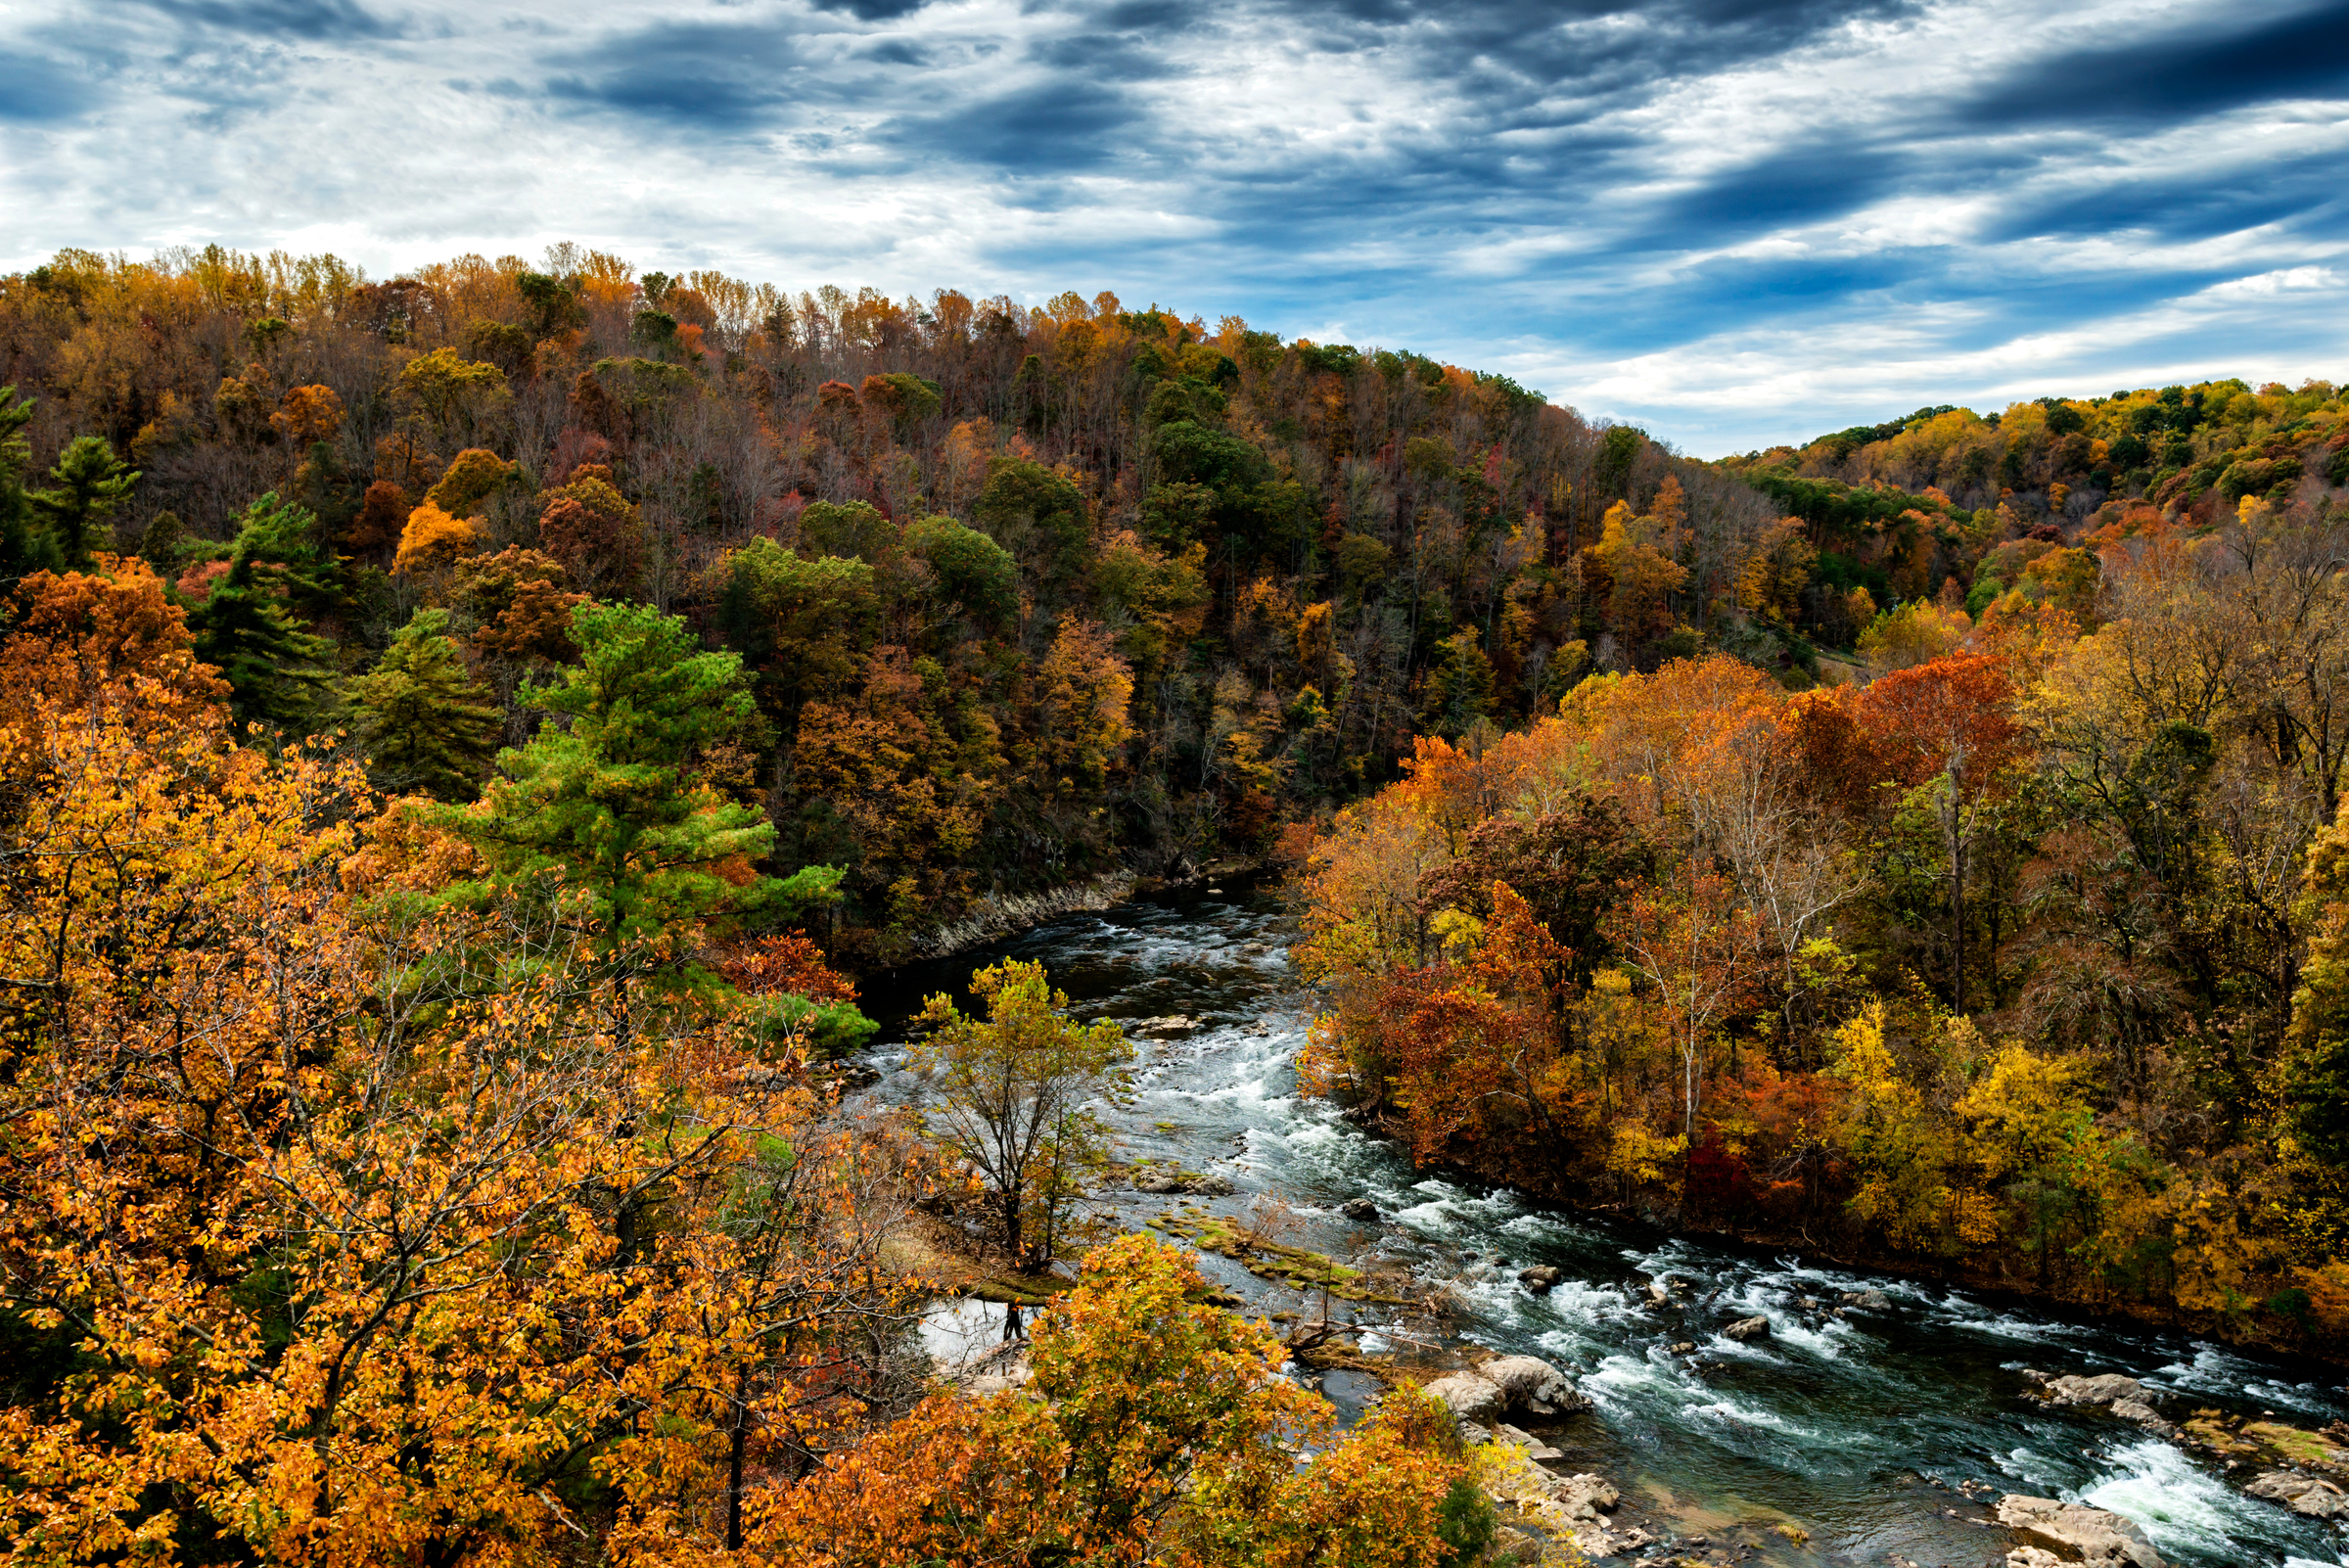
433, 540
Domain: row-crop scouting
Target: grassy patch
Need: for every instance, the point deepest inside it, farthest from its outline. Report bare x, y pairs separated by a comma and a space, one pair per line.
2296, 1444
1298, 1267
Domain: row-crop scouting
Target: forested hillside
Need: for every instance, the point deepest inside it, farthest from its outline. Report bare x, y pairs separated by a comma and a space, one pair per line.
2013, 955
1024, 593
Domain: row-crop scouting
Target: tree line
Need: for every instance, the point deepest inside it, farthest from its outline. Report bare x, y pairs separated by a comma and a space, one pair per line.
2015, 958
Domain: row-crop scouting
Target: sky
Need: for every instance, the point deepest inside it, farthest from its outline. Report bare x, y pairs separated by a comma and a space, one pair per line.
1732, 223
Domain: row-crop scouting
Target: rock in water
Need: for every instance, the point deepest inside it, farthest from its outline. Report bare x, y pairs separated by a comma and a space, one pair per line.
2302, 1493
1468, 1397
1659, 1292
1746, 1328
2104, 1389
1538, 1279
2096, 1536
1530, 1383
1875, 1301
1359, 1209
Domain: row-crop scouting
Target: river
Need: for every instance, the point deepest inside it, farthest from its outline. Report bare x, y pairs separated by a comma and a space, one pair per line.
1857, 1430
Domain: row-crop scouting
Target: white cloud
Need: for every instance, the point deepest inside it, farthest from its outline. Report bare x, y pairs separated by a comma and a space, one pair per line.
1733, 226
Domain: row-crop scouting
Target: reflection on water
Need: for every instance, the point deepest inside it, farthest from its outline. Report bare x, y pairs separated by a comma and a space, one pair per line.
1855, 1428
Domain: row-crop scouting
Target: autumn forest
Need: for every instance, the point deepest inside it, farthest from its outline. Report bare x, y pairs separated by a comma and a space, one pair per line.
469, 740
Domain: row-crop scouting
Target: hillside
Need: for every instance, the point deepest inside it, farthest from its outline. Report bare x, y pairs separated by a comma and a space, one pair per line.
1025, 593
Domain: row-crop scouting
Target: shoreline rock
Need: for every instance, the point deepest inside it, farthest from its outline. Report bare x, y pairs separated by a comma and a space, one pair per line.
1174, 1180
1572, 1506
1481, 1395
2097, 1537
2304, 1495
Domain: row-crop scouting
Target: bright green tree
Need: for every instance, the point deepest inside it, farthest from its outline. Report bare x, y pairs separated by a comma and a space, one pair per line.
603, 817
85, 487
1010, 1097
422, 717
250, 627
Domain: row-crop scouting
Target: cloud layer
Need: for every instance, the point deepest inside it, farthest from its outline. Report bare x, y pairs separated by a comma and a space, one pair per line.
1733, 221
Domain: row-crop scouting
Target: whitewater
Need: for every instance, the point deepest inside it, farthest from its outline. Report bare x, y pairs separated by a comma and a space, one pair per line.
1881, 1434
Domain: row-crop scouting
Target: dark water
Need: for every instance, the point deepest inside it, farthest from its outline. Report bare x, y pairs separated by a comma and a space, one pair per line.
1857, 1430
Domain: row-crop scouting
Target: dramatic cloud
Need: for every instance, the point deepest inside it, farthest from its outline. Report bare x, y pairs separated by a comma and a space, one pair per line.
1730, 220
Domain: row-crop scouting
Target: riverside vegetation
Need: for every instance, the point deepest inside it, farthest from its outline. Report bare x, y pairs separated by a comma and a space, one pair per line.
455, 731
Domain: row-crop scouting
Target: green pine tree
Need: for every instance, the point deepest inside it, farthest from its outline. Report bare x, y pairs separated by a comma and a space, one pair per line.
251, 627
420, 716
25, 547
86, 485
601, 816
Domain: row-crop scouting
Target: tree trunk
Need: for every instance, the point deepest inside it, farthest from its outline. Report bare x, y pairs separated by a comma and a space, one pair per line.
737, 1446
1954, 830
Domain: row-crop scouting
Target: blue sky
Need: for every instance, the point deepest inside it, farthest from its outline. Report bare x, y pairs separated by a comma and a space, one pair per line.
1731, 221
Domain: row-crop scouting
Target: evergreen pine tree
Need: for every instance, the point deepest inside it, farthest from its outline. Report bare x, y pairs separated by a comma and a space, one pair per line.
601, 815
423, 720
86, 485
249, 628
25, 547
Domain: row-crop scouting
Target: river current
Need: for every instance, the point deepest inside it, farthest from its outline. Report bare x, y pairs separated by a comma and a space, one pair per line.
1858, 1431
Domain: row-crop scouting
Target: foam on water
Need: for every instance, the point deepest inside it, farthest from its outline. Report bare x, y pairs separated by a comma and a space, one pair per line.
1812, 1420
2182, 1506
2212, 1371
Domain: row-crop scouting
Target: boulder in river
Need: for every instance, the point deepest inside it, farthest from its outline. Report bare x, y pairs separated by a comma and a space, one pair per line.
2302, 1493
1171, 1179
1531, 1384
2143, 1415
1659, 1291
1504, 1385
2105, 1388
1572, 1506
1873, 1301
999, 1370
1469, 1396
1746, 1328
1540, 1279
2096, 1536
1359, 1209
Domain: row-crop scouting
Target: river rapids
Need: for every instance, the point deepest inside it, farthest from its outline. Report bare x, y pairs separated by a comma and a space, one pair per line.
1873, 1433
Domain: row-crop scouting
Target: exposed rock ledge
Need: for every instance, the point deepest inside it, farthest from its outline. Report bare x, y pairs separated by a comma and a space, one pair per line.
1572, 1506
2307, 1495
2092, 1534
